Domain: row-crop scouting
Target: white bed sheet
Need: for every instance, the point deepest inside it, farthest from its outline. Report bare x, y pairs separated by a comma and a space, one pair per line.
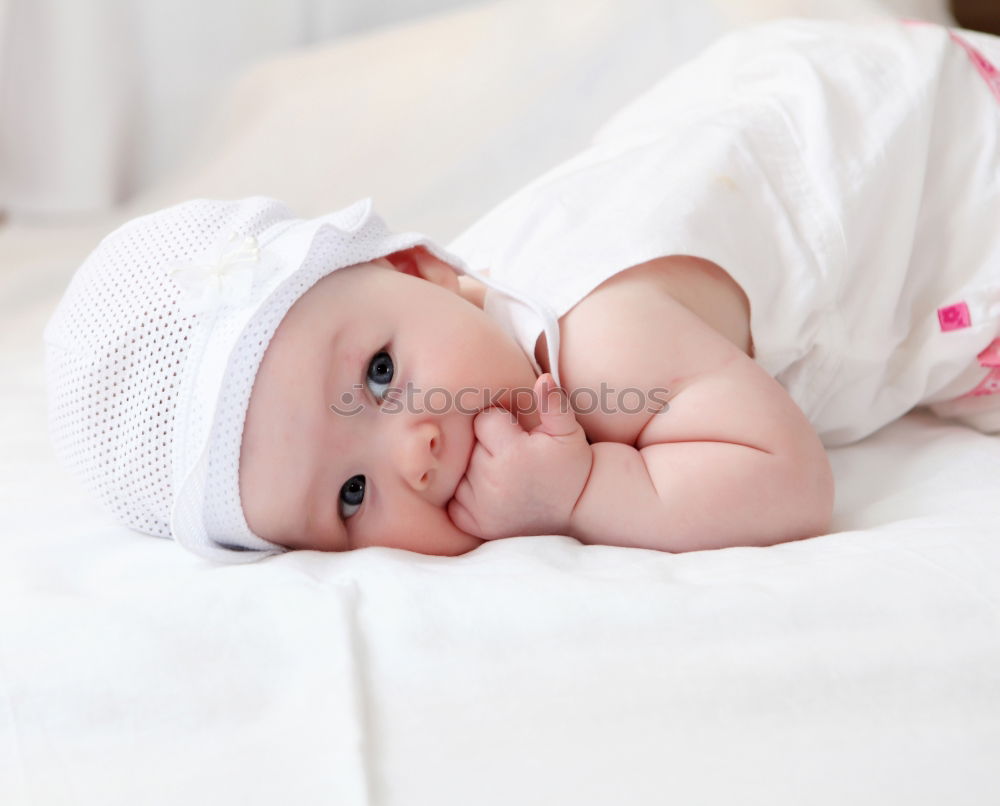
862, 666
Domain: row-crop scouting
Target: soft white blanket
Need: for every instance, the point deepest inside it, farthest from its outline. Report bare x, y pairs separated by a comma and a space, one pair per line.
860, 667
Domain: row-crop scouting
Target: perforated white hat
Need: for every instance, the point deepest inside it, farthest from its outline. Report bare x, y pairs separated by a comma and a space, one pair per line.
153, 349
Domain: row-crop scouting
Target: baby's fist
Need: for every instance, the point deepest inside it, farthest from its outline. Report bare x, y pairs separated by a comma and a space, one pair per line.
519, 482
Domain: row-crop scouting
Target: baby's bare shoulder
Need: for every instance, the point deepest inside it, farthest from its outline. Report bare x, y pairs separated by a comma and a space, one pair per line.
658, 356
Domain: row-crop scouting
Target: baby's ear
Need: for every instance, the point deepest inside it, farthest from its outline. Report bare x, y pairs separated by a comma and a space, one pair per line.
420, 263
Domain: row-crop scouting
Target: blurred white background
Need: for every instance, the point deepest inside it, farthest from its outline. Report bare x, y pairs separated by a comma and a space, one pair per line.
102, 99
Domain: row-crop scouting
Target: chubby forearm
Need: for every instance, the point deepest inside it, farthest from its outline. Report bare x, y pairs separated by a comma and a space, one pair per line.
689, 496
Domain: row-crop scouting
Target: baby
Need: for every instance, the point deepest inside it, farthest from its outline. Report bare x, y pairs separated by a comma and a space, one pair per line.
775, 249
436, 474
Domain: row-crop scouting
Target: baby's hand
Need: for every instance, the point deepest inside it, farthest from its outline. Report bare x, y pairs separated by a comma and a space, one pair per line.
519, 482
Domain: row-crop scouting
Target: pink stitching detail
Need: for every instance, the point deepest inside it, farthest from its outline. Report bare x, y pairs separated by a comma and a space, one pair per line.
986, 68
989, 385
990, 356
954, 317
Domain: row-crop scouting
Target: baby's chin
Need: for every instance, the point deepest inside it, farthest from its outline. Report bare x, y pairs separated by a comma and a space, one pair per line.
453, 544
458, 542
474, 543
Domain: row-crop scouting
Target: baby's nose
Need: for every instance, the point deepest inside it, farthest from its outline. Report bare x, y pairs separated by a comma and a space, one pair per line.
417, 453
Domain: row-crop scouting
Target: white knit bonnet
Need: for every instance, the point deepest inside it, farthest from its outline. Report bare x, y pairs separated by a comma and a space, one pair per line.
153, 349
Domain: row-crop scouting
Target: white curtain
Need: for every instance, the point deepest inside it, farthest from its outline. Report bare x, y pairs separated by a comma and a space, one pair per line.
101, 98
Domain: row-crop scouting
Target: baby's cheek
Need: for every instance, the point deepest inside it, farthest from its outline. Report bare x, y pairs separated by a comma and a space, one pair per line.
494, 361
434, 533
425, 529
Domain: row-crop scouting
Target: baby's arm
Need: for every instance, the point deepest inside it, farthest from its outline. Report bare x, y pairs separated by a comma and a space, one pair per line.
703, 494
732, 461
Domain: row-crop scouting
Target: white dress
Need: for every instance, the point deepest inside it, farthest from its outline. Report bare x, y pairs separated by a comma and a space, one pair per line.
846, 175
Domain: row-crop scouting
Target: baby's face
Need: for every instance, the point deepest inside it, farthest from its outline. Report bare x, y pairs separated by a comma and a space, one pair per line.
331, 459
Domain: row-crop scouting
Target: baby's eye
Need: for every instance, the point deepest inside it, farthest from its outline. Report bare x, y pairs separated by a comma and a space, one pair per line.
380, 374
351, 496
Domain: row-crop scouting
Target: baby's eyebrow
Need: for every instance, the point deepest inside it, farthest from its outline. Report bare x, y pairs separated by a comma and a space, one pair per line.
318, 530
332, 531
316, 527
309, 507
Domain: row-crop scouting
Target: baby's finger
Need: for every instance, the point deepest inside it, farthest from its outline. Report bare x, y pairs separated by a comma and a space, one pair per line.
462, 518
495, 427
557, 416
464, 493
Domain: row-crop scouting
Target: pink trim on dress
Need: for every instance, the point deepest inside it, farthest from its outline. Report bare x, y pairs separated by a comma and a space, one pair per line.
990, 356
983, 65
953, 317
986, 68
989, 385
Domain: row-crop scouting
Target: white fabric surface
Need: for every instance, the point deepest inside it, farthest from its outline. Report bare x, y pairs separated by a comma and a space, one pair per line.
860, 667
